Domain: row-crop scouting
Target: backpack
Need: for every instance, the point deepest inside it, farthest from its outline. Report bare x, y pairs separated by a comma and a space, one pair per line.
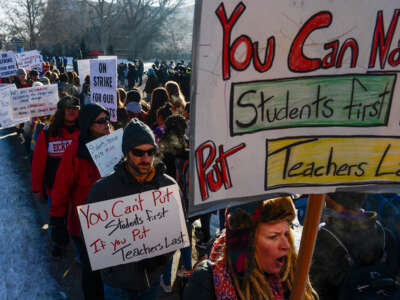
387, 206
372, 282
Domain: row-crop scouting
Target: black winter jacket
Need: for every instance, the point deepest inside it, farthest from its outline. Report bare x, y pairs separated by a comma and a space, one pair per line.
364, 240
136, 275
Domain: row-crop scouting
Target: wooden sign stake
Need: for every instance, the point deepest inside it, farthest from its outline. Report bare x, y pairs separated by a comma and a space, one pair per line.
308, 238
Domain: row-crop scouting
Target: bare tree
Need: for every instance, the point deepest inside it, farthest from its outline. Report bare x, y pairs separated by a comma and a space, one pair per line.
145, 19
23, 19
104, 16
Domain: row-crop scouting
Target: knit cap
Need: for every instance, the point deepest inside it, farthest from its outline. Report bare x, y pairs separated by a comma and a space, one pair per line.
137, 133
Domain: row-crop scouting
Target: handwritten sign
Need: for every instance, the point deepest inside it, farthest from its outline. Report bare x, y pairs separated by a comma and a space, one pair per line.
43, 100
29, 60
305, 99
133, 228
5, 107
34, 102
8, 66
106, 151
103, 84
83, 69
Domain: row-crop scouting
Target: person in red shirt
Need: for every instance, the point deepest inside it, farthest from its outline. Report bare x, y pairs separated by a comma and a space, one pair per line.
51, 144
75, 176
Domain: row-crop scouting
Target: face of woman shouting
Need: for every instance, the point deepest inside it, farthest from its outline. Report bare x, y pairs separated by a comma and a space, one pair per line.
272, 246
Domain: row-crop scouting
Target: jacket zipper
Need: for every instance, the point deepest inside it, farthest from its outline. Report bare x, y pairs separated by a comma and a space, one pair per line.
146, 275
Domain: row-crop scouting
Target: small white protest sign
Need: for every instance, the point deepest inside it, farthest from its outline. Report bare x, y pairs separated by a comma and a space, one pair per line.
106, 151
8, 65
20, 107
5, 107
43, 100
29, 60
103, 84
133, 228
83, 69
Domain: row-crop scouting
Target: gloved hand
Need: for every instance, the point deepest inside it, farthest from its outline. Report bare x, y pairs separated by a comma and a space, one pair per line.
58, 231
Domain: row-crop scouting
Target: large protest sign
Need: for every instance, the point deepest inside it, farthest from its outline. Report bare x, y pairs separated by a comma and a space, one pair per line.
132, 228
83, 69
34, 102
103, 84
8, 65
5, 107
29, 60
106, 151
293, 97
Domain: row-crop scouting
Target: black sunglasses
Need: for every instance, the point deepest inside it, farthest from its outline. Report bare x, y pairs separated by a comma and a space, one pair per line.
140, 153
102, 120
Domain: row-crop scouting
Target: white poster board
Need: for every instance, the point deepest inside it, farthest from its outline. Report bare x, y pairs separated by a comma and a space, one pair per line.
43, 100
106, 151
29, 60
293, 97
103, 84
34, 102
83, 69
8, 65
133, 228
5, 107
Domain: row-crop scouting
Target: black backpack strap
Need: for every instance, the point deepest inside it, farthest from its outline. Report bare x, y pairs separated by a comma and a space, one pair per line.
348, 256
46, 134
384, 256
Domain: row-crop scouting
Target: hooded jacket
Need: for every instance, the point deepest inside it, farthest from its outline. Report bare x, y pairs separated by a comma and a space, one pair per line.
137, 275
76, 173
364, 240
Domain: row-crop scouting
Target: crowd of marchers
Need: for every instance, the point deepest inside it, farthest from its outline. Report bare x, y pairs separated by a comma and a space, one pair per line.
251, 256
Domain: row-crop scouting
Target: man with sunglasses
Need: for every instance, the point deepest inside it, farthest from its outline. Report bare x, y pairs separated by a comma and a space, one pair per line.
136, 173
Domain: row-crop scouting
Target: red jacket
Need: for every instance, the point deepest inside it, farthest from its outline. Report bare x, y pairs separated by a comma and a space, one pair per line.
75, 177
47, 156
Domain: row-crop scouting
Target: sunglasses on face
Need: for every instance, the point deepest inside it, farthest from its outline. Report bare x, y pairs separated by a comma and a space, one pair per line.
102, 120
140, 153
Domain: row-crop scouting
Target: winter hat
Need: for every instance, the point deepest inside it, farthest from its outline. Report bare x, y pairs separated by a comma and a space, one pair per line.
242, 225
133, 96
68, 102
37, 84
349, 200
44, 80
87, 115
21, 71
137, 133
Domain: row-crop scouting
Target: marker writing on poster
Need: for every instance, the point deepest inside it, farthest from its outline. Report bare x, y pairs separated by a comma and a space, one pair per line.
297, 61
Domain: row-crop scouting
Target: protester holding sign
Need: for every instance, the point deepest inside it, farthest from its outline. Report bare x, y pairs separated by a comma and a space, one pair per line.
254, 259
135, 174
49, 149
349, 239
75, 176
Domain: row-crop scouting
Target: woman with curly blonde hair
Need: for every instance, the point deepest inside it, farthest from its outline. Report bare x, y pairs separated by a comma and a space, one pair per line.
254, 258
175, 97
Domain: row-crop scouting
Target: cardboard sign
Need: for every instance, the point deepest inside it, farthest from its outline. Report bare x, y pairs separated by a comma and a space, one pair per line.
106, 151
29, 60
133, 228
8, 66
83, 69
34, 102
293, 97
5, 107
103, 84
43, 100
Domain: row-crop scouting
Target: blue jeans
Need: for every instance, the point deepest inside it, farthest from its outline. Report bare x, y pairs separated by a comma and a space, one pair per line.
186, 254
111, 293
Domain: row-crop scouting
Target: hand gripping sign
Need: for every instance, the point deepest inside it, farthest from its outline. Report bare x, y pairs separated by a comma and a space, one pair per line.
132, 228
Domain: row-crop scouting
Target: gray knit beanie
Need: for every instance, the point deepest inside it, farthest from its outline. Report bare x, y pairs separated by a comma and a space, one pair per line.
137, 133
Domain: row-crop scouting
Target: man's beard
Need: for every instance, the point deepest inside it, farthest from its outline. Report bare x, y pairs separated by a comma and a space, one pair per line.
136, 167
